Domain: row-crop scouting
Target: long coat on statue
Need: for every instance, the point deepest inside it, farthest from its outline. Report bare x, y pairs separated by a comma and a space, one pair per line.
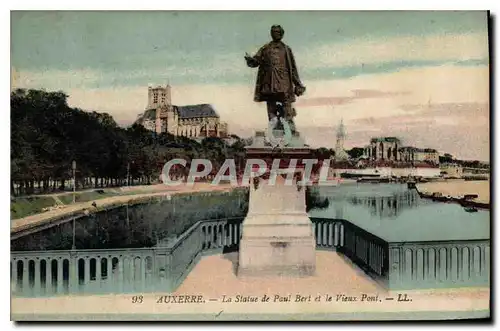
277, 76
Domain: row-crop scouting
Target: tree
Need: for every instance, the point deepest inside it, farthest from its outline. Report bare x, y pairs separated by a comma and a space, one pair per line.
47, 135
355, 152
446, 158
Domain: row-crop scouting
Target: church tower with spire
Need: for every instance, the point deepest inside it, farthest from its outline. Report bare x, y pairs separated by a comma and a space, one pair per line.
340, 153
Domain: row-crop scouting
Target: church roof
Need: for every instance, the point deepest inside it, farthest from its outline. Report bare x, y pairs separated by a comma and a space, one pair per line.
192, 111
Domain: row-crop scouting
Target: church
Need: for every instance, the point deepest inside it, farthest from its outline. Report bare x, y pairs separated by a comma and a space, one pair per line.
192, 121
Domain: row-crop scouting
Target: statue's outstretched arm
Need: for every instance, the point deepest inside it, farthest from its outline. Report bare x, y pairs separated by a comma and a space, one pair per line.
256, 60
252, 62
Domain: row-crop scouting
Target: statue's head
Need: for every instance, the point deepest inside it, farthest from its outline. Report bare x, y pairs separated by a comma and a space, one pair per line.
277, 32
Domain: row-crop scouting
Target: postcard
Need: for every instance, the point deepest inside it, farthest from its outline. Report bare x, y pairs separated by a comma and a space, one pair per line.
250, 166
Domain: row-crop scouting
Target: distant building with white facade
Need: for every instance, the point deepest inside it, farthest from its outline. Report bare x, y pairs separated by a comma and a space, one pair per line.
410, 154
391, 149
194, 121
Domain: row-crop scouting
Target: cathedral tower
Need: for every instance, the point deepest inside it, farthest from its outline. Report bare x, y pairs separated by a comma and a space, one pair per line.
340, 153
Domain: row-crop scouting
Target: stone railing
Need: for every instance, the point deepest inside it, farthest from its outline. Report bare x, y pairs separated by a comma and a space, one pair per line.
164, 267
439, 264
369, 252
39, 273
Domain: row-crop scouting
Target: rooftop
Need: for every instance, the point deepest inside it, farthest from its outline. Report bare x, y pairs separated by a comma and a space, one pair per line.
189, 111
385, 139
193, 111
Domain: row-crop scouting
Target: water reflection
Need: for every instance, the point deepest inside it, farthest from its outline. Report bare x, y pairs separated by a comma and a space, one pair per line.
388, 206
153, 247
137, 270
142, 225
397, 214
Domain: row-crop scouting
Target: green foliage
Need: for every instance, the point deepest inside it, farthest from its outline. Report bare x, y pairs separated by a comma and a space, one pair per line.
47, 135
67, 199
355, 152
22, 207
323, 153
141, 225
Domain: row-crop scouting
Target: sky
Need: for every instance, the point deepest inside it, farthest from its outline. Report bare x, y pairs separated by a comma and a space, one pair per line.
420, 76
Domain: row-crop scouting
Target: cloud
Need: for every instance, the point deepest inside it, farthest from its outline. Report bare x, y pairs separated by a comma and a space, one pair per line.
55, 79
340, 60
447, 127
371, 105
437, 47
357, 94
466, 110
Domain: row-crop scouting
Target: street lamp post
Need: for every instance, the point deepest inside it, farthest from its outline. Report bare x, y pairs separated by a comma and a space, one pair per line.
74, 180
73, 247
128, 172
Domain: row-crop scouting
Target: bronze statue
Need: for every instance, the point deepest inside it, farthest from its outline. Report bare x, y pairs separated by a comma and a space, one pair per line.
278, 80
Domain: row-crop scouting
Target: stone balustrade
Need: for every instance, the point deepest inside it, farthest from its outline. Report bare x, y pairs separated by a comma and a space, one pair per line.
164, 267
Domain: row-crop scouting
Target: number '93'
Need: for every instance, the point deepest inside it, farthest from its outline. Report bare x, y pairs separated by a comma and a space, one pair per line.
137, 299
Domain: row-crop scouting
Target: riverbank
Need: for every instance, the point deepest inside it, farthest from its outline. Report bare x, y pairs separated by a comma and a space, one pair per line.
84, 208
456, 190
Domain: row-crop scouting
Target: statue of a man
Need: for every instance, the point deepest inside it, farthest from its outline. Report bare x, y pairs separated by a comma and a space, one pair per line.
277, 78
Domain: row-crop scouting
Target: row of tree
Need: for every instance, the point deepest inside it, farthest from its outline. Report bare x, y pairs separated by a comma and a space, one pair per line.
47, 136
448, 158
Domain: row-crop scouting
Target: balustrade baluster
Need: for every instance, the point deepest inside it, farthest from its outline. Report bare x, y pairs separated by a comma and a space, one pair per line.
460, 266
14, 277
219, 235
131, 270
224, 234
325, 234
483, 261
86, 278
230, 234
60, 279
363, 249
377, 259
143, 273
209, 236
120, 273
330, 234
37, 275
26, 281
109, 272
48, 276
318, 234
450, 264
98, 273
341, 235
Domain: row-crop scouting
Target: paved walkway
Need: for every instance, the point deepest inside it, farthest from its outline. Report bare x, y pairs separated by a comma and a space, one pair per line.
213, 279
68, 210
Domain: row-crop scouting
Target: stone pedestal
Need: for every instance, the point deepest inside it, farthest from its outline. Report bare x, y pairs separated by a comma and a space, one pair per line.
277, 236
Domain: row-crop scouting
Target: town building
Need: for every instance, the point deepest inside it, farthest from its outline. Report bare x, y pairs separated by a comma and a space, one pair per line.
391, 149
193, 121
412, 154
383, 148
